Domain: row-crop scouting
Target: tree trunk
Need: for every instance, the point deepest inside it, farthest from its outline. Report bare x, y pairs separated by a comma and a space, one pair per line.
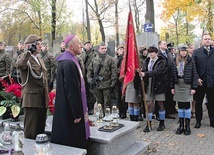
116, 23
53, 22
149, 16
210, 19
102, 30
40, 23
88, 27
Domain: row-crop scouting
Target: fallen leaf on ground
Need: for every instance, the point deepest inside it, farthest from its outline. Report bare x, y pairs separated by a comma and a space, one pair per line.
201, 135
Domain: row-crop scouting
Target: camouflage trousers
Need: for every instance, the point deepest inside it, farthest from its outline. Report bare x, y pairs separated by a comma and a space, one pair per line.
89, 95
103, 97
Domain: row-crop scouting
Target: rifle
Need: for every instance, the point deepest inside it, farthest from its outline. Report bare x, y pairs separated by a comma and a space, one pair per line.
96, 77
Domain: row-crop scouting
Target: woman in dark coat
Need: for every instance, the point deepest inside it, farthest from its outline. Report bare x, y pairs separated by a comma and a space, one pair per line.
154, 85
183, 84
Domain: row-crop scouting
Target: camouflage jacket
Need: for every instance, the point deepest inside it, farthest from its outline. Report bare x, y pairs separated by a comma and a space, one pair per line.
5, 63
49, 64
87, 57
13, 70
108, 71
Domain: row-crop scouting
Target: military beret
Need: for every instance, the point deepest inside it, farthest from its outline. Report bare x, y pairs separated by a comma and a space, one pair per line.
182, 47
32, 38
44, 43
2, 42
21, 42
142, 48
120, 46
87, 42
102, 44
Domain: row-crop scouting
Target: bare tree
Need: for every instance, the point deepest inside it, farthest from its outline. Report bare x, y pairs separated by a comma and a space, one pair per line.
99, 11
88, 26
137, 7
116, 22
53, 22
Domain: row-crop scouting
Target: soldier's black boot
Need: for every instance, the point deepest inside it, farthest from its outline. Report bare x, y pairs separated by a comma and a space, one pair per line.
131, 117
146, 129
91, 109
180, 129
161, 126
141, 113
212, 122
122, 113
187, 130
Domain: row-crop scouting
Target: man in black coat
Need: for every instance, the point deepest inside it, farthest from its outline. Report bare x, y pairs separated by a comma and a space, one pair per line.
70, 120
204, 58
169, 103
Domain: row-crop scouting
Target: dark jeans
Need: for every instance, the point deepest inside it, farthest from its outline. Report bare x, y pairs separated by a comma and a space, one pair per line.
199, 101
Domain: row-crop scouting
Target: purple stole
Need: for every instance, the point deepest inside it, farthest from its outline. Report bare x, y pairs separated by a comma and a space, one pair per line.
69, 56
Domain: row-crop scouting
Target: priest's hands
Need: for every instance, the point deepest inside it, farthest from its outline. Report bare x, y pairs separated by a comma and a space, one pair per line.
77, 120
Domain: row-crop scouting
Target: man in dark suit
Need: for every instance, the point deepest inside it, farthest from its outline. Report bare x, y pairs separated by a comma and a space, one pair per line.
169, 106
35, 87
204, 58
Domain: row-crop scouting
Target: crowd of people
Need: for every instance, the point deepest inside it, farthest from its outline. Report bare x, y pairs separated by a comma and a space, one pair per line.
84, 76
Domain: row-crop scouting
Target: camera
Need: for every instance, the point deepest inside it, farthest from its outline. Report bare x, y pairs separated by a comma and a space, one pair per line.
32, 47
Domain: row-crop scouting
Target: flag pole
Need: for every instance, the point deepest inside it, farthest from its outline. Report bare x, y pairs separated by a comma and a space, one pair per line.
145, 104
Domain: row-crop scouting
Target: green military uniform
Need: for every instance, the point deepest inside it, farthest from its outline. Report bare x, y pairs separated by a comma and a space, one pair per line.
87, 57
5, 63
107, 77
13, 70
50, 66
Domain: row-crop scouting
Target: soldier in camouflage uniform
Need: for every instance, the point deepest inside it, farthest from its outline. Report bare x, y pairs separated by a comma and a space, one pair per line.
102, 75
118, 87
49, 64
5, 60
87, 55
20, 50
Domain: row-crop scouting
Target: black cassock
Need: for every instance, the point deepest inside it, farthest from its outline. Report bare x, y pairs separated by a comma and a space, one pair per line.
68, 107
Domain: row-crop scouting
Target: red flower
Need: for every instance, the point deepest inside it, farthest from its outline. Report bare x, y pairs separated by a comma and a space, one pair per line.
52, 96
15, 89
11, 87
12, 95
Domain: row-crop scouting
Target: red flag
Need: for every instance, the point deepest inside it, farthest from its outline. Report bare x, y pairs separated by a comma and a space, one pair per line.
130, 60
